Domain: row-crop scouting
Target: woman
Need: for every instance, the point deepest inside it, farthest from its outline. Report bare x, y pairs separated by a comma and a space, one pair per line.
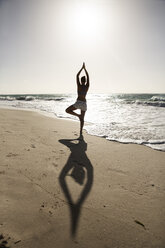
80, 103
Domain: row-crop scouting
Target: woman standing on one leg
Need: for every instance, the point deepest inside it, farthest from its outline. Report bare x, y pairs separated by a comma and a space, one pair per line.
80, 103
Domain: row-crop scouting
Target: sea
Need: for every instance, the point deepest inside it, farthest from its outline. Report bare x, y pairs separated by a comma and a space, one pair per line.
125, 118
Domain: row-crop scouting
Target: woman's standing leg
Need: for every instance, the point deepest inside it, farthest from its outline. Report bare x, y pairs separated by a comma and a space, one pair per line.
81, 121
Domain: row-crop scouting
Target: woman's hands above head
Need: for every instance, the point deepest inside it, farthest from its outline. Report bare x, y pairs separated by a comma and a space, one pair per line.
87, 75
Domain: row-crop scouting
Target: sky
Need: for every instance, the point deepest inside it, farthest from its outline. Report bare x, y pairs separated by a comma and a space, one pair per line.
43, 44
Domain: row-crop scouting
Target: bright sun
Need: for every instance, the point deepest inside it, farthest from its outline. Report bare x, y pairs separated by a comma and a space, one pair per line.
86, 20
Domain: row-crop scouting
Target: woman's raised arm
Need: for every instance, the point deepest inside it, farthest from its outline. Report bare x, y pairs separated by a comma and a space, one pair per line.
86, 74
77, 77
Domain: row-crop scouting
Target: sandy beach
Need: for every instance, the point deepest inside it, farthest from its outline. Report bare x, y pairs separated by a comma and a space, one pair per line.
58, 191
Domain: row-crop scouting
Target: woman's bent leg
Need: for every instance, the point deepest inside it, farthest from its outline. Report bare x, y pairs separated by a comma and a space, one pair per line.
70, 109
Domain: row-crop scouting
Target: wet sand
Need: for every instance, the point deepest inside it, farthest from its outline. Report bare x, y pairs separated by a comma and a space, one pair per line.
58, 191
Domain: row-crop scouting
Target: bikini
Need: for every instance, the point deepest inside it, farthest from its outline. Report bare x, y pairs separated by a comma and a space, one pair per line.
80, 105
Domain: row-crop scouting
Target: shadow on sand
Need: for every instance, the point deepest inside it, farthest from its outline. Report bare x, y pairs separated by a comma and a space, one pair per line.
79, 167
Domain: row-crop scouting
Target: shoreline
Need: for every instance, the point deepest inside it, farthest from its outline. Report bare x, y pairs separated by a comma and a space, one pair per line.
53, 115
59, 191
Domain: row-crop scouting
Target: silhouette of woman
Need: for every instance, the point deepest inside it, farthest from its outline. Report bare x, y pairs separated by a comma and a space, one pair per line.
80, 103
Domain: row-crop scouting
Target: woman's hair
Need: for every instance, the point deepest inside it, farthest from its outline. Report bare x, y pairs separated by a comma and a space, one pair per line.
83, 79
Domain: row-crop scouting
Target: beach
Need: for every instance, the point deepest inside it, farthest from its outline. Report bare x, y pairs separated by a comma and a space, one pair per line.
60, 191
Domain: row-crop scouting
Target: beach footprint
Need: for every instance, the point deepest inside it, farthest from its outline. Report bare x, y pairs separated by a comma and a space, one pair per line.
12, 154
3, 242
62, 152
33, 146
55, 165
8, 131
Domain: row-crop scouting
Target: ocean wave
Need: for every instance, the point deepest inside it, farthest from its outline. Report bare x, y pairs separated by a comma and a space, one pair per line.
142, 99
53, 99
154, 142
25, 98
30, 98
6, 98
154, 103
150, 103
156, 145
18, 98
139, 142
158, 98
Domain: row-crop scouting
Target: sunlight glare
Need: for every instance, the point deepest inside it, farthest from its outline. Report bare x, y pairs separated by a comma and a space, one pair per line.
87, 20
